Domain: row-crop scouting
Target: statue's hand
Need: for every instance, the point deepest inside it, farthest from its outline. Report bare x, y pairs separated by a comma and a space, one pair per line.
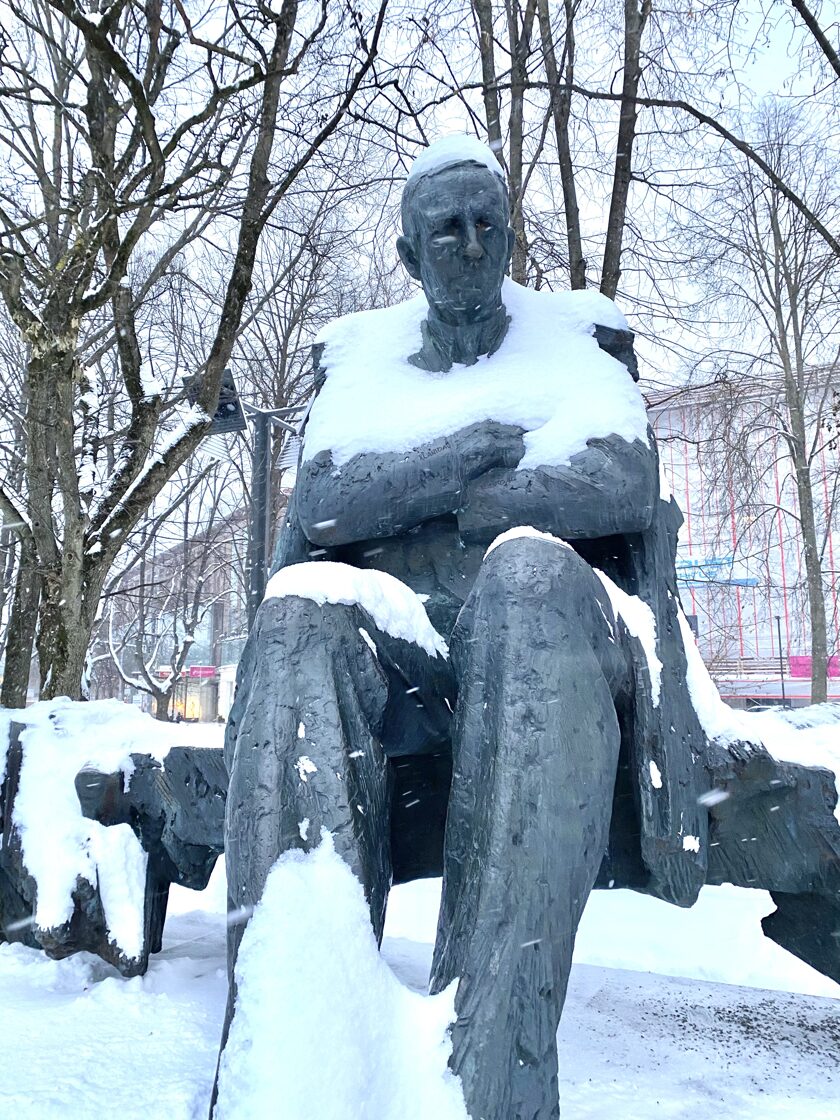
488, 446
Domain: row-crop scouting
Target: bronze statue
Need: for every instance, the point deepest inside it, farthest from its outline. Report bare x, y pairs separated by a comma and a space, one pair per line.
518, 738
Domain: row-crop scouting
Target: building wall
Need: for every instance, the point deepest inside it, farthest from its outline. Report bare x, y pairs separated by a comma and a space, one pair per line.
740, 562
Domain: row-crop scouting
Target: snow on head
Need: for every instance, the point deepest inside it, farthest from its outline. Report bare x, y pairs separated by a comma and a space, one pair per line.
450, 150
391, 604
322, 1027
549, 377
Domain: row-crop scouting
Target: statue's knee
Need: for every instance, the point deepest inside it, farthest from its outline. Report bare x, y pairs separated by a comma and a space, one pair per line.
531, 562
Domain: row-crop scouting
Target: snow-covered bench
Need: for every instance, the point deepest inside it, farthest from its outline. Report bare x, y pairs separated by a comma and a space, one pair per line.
99, 814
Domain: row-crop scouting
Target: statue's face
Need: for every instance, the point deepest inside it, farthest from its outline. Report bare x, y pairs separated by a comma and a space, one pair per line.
462, 242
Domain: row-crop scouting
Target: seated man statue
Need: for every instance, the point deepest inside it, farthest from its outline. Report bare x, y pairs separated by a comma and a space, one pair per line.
470, 659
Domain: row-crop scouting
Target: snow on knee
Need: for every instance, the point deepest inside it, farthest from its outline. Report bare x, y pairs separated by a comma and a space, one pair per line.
393, 606
322, 1027
520, 531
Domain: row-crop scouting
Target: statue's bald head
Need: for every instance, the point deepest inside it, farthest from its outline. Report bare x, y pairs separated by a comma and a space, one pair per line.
457, 239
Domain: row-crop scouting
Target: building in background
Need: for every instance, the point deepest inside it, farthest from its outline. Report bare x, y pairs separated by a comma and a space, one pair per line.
740, 560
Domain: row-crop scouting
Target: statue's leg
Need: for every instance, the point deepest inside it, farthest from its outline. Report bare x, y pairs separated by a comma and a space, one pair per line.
535, 748
303, 750
323, 698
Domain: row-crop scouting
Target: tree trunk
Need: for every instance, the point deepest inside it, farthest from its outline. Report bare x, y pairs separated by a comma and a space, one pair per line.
520, 49
561, 106
635, 19
811, 554
63, 640
492, 110
162, 702
20, 637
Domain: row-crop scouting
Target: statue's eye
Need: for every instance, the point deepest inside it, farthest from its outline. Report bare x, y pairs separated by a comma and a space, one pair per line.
482, 226
446, 234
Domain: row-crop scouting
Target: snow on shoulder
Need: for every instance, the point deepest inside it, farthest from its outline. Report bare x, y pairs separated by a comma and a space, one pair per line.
392, 605
549, 377
322, 1025
450, 150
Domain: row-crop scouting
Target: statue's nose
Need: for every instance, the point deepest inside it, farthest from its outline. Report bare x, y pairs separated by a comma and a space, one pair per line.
473, 250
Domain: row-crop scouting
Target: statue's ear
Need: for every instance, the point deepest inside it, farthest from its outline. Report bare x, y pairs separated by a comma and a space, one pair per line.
408, 257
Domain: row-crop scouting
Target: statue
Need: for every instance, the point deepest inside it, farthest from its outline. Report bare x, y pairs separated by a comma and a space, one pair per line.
471, 657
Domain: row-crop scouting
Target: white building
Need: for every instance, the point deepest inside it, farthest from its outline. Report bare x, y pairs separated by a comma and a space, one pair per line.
740, 562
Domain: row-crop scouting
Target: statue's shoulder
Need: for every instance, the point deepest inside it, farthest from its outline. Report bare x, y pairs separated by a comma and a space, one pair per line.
385, 331
585, 311
578, 310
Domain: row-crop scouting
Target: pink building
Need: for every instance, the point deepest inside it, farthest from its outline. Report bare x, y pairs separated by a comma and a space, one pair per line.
740, 561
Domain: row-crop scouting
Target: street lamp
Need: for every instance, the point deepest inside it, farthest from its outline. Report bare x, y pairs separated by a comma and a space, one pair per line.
229, 418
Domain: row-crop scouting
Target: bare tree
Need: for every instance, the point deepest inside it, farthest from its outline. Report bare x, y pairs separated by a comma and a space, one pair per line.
124, 134
766, 269
185, 567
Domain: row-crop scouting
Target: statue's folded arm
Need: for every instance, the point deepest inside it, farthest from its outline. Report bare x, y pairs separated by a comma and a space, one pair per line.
608, 488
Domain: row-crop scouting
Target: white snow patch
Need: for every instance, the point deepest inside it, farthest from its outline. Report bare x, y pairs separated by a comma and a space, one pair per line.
321, 1022
303, 828
449, 150
717, 719
519, 531
368, 640
301, 732
549, 377
691, 844
639, 620
121, 875
655, 775
59, 845
305, 766
713, 797
392, 605
814, 745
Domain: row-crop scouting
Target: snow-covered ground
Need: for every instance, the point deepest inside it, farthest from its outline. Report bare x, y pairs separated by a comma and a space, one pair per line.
80, 1043
671, 1013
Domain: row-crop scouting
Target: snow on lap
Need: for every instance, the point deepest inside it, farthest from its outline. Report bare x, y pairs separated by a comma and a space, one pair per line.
322, 1024
393, 606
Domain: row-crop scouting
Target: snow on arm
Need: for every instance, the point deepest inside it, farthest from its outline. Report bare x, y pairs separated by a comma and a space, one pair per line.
392, 605
549, 377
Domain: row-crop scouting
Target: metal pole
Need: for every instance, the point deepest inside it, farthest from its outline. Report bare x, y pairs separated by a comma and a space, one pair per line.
781, 659
260, 503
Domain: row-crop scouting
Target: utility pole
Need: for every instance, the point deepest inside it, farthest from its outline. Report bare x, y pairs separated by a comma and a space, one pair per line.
781, 659
263, 420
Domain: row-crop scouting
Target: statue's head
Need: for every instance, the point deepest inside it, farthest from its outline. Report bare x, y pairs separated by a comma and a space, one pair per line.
457, 239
